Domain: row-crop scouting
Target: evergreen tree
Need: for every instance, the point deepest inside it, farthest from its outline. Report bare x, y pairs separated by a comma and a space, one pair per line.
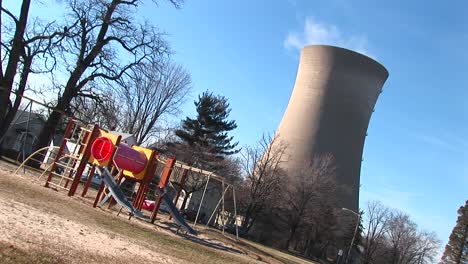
207, 134
456, 250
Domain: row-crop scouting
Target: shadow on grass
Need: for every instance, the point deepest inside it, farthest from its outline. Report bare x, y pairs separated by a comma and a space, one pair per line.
176, 229
10, 254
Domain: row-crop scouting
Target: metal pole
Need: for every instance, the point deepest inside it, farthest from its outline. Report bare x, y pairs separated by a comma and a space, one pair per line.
181, 186
235, 211
34, 153
222, 214
217, 205
201, 202
354, 235
27, 129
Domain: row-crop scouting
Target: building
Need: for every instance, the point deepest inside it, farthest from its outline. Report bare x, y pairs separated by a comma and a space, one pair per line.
329, 111
127, 138
22, 134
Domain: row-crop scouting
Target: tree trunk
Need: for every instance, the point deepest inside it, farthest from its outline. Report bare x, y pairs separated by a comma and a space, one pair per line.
307, 243
296, 244
247, 215
394, 256
46, 135
250, 224
10, 115
6, 80
62, 105
72, 86
291, 236
323, 250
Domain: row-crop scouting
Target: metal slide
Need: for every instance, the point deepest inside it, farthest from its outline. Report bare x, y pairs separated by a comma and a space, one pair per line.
178, 218
108, 196
117, 193
120, 198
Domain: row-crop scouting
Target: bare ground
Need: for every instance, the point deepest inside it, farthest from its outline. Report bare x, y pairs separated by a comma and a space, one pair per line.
40, 225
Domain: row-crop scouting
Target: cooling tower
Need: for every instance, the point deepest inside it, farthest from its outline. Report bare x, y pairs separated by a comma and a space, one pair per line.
329, 112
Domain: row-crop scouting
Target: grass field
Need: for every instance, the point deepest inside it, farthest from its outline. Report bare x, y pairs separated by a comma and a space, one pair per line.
41, 225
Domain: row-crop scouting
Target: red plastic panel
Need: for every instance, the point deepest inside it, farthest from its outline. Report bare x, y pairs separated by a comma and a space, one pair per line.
102, 149
125, 157
129, 159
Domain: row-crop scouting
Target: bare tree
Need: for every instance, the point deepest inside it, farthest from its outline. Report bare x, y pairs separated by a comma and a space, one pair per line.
164, 136
148, 92
310, 187
318, 231
427, 248
402, 235
231, 170
226, 168
376, 223
403, 242
103, 41
189, 155
25, 49
104, 110
15, 47
194, 182
263, 175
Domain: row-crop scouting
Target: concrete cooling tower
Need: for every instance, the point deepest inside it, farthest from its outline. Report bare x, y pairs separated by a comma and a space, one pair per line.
329, 112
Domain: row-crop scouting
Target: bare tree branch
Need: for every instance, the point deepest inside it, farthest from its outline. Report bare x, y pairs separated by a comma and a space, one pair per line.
262, 176
149, 92
103, 41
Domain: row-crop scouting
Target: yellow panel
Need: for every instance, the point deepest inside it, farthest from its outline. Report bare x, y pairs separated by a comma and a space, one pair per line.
140, 175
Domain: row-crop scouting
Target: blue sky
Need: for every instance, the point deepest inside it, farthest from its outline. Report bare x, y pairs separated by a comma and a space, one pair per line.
415, 154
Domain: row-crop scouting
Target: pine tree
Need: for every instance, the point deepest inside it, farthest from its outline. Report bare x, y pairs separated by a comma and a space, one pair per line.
456, 250
207, 134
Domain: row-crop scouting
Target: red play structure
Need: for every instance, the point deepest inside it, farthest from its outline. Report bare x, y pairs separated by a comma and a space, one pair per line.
96, 150
125, 157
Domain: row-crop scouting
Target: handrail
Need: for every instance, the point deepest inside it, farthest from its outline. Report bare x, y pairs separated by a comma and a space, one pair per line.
32, 155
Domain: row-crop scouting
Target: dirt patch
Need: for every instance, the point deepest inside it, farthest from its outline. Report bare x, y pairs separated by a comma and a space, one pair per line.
33, 230
40, 225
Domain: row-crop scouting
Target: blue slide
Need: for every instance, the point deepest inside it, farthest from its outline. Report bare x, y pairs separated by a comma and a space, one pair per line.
120, 198
178, 218
117, 193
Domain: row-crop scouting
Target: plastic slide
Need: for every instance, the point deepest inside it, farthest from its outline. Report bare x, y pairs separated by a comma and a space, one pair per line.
120, 198
179, 219
117, 193
108, 196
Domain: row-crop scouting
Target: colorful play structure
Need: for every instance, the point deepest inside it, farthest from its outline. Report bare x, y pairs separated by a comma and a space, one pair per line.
89, 150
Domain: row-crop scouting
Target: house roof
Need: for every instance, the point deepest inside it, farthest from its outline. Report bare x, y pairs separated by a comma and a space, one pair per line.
129, 139
23, 116
20, 121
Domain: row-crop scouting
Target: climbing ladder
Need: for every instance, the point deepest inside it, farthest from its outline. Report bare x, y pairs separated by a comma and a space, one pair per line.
69, 163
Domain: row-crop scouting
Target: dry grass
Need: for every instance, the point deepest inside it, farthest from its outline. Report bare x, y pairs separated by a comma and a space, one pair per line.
40, 225
10, 254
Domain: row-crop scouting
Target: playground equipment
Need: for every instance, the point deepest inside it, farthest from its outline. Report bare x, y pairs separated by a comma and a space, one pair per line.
87, 149
133, 162
118, 195
125, 157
